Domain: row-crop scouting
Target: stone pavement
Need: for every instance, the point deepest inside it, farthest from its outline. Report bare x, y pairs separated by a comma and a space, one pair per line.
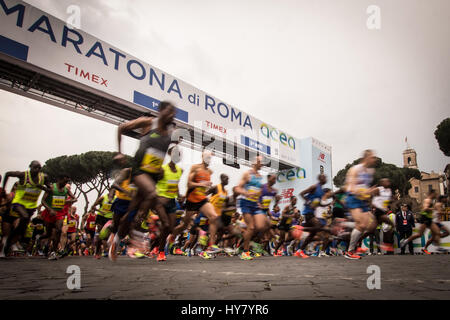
402, 277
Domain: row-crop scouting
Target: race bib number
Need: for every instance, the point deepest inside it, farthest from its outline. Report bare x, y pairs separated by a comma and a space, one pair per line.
220, 201
405, 222
253, 194
386, 203
265, 203
72, 223
202, 221
172, 187
31, 194
58, 202
152, 161
92, 224
229, 213
274, 222
200, 191
107, 207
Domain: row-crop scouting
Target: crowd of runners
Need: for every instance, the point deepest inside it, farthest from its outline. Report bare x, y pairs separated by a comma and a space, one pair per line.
144, 214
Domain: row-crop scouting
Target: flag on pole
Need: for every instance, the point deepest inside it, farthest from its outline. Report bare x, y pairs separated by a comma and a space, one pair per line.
406, 139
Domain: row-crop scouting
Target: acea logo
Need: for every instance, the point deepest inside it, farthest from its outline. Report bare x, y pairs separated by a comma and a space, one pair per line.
273, 134
291, 174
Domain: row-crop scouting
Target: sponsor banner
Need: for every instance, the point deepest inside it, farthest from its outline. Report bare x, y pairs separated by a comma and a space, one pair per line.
315, 158
42, 40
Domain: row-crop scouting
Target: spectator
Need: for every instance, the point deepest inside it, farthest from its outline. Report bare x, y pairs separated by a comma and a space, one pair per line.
404, 221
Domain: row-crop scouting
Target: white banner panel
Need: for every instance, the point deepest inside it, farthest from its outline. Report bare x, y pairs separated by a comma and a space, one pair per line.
42, 40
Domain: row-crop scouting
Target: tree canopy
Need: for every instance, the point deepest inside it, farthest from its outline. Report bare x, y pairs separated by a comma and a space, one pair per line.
399, 177
90, 171
442, 134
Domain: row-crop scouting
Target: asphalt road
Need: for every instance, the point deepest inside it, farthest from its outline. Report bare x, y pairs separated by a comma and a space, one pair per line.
402, 277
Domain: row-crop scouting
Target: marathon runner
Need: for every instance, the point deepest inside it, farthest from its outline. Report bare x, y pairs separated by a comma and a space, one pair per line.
312, 197
426, 221
156, 136
199, 181
357, 185
104, 214
69, 244
268, 195
55, 212
31, 184
168, 192
88, 222
439, 210
250, 187
288, 215
381, 200
219, 200
126, 190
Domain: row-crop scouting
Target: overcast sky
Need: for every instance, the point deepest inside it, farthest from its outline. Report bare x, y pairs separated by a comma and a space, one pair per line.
312, 68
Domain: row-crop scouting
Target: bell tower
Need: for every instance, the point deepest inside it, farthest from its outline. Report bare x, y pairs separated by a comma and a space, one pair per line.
410, 158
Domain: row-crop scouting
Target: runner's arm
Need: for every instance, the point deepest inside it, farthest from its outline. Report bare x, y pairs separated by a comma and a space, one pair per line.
307, 191
212, 190
138, 123
240, 187
44, 204
123, 175
74, 199
191, 183
96, 203
350, 181
14, 174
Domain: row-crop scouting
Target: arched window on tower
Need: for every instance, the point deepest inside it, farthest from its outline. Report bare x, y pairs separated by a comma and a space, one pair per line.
409, 160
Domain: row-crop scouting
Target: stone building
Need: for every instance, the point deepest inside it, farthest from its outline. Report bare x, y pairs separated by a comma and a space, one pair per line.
420, 188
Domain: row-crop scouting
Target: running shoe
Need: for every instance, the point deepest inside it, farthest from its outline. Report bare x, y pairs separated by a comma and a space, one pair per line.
323, 254
205, 255
275, 254
361, 250
155, 251
86, 252
53, 256
246, 256
301, 254
213, 249
350, 255
178, 251
139, 255
257, 254
403, 243
387, 247
161, 256
229, 251
426, 251
97, 256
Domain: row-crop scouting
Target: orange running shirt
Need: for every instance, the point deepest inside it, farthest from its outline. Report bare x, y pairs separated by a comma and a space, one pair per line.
199, 193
